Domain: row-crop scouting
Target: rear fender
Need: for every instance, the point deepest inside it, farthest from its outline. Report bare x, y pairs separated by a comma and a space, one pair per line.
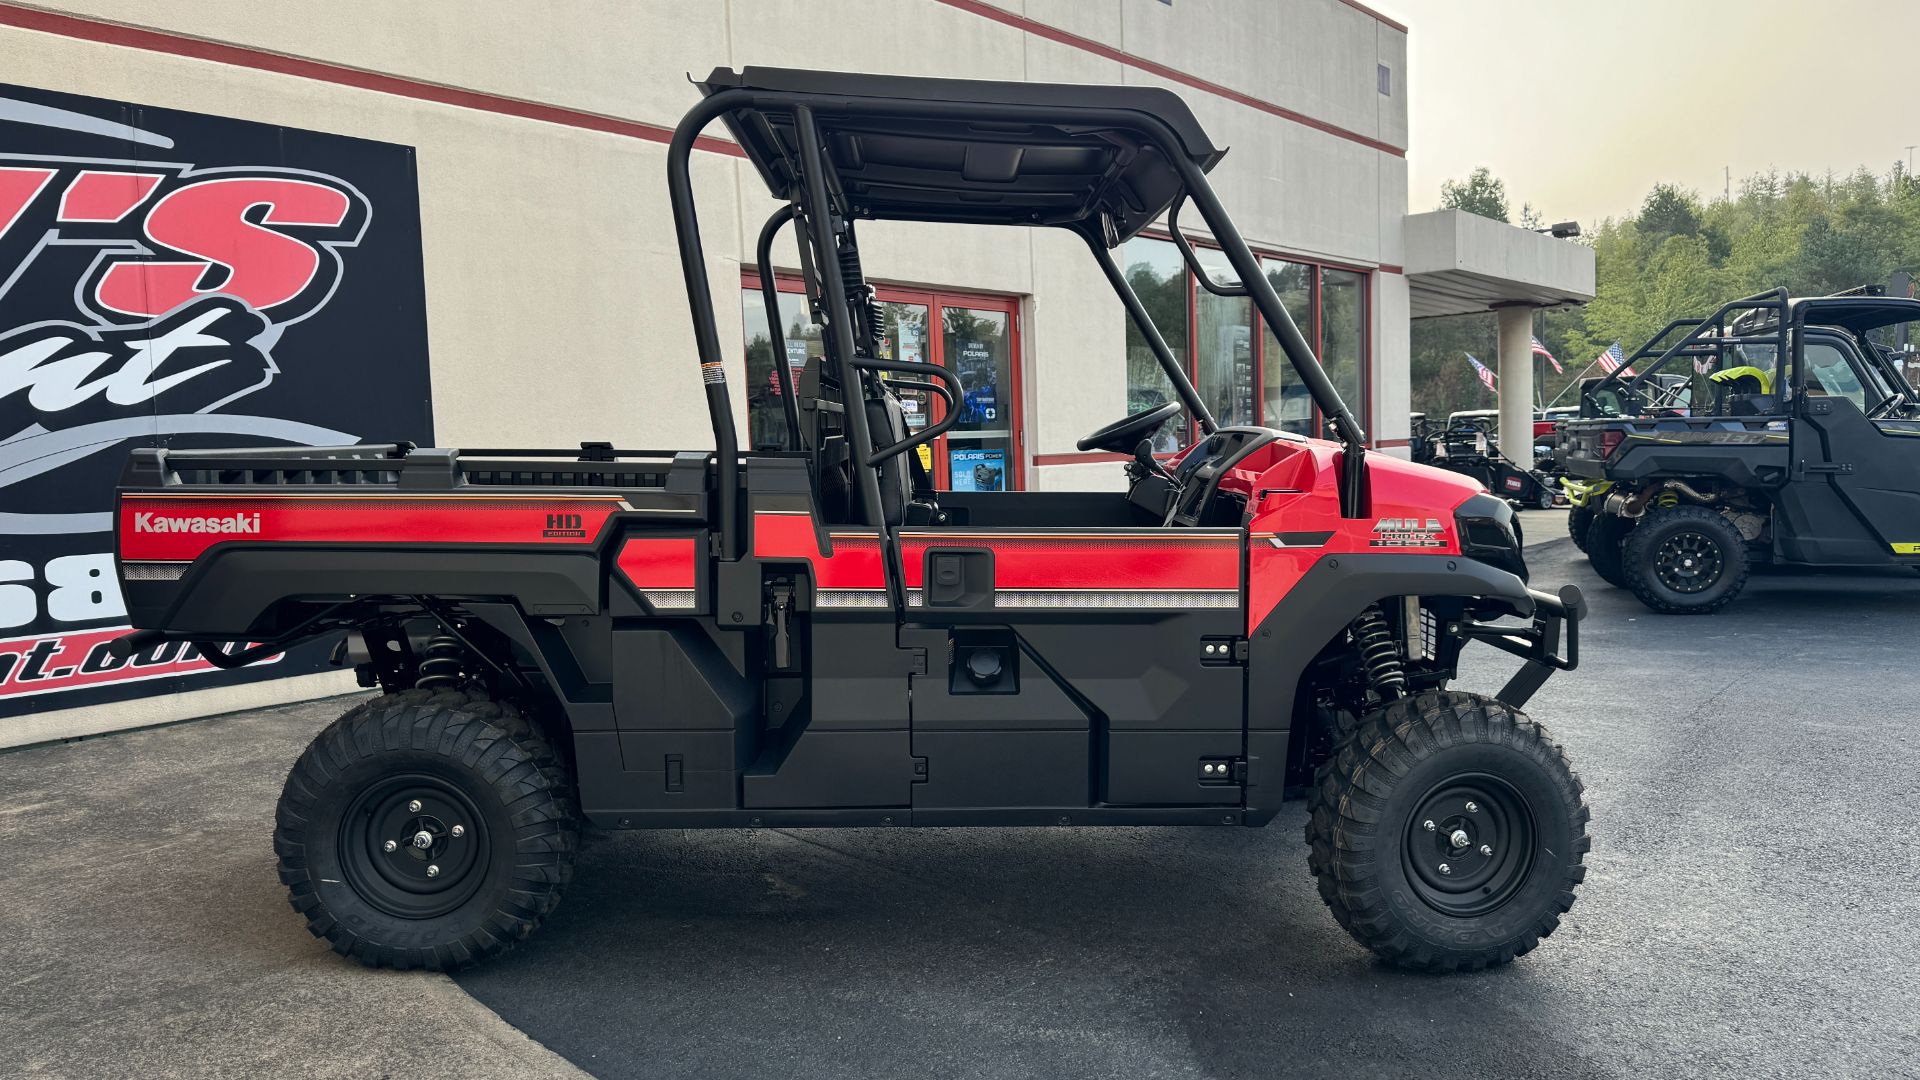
235, 591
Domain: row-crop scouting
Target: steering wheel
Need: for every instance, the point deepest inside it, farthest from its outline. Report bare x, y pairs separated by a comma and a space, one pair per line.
1121, 436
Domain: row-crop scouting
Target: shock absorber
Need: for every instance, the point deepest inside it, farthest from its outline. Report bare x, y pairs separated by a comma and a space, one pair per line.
1379, 653
440, 664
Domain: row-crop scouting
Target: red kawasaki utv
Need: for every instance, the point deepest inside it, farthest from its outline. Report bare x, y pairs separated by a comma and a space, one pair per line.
814, 636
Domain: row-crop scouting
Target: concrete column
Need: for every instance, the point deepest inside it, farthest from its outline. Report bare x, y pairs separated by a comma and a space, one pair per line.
1516, 384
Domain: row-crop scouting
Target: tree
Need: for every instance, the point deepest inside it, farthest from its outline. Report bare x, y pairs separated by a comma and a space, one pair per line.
1669, 211
1480, 193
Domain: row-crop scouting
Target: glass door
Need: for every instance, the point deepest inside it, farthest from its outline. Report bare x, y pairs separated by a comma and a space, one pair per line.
981, 451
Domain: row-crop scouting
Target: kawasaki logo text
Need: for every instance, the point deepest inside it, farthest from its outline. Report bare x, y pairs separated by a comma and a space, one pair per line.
232, 523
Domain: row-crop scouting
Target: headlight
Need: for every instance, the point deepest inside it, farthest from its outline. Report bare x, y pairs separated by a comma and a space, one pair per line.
1488, 534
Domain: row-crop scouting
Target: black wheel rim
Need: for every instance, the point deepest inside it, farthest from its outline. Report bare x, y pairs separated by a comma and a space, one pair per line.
414, 846
1469, 845
1688, 562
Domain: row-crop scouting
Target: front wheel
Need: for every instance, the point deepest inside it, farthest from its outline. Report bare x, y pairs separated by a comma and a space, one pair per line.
1448, 832
426, 829
1685, 560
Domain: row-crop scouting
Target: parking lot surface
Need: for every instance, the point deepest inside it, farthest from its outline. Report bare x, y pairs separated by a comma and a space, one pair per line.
1750, 910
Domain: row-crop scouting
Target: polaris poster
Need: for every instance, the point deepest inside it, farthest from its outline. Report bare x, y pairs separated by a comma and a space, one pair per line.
179, 280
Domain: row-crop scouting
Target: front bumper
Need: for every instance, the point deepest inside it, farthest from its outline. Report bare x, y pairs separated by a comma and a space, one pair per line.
1548, 643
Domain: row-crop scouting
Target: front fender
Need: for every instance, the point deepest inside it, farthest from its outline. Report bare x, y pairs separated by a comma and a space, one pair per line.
1331, 593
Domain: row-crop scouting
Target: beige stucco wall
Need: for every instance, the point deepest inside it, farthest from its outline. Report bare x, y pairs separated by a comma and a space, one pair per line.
554, 308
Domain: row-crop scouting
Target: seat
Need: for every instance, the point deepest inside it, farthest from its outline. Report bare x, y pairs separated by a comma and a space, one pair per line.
906, 492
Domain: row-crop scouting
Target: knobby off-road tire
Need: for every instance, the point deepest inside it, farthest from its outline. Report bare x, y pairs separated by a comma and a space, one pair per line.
1471, 766
1604, 539
483, 792
1685, 560
1579, 520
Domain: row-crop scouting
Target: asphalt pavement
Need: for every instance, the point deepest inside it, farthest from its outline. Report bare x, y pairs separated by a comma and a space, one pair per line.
1750, 910
143, 932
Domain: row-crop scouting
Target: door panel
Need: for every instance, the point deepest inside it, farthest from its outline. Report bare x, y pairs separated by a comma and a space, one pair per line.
1876, 475
1853, 488
1122, 636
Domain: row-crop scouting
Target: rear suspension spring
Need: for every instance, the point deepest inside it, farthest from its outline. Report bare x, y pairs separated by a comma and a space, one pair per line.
1379, 654
440, 663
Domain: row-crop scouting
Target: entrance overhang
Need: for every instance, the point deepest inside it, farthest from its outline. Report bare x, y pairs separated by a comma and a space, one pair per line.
1459, 263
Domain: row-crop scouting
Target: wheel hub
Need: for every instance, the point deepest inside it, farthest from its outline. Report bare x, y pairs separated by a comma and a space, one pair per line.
1688, 562
413, 846
1469, 845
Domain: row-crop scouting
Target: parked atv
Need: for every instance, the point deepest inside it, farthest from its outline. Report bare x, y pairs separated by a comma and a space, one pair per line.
1465, 444
814, 636
1776, 430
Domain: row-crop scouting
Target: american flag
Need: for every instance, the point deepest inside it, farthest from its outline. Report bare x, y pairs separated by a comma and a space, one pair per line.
1540, 349
1611, 360
1480, 369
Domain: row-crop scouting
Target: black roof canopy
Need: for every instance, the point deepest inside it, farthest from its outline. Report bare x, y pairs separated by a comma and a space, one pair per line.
997, 153
1856, 313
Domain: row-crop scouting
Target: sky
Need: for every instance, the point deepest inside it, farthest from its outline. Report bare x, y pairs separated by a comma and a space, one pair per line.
1581, 106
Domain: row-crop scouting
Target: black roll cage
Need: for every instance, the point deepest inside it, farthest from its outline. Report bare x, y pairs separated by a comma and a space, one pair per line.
1771, 319
820, 225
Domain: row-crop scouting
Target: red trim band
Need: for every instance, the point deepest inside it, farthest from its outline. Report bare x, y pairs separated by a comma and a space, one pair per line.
1141, 63
1374, 15
178, 528
161, 41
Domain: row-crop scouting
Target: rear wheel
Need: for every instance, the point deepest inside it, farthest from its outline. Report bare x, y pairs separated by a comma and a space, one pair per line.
426, 829
1448, 832
1604, 538
1579, 520
1685, 560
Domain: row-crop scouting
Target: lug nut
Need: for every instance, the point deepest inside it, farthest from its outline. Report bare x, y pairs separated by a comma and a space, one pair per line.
1444, 868
1428, 825
1486, 849
1473, 808
433, 871
390, 846
458, 831
413, 807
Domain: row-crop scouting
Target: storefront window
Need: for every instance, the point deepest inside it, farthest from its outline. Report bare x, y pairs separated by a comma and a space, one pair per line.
1285, 403
766, 419
1238, 384
1343, 334
1155, 272
1223, 349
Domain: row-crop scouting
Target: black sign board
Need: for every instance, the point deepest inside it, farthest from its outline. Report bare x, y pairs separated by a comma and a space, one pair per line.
176, 279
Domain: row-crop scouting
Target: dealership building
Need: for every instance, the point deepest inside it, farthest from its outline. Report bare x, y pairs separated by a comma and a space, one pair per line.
529, 289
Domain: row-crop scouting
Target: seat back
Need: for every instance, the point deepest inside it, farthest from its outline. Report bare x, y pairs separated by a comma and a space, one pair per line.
823, 426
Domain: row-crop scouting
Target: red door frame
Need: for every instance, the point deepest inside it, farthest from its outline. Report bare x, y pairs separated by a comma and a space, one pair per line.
936, 301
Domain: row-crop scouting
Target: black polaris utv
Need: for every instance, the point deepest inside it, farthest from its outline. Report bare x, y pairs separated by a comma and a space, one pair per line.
1776, 430
814, 636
